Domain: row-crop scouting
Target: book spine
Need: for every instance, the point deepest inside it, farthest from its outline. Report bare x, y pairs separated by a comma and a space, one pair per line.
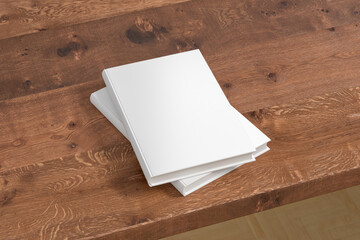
130, 134
97, 100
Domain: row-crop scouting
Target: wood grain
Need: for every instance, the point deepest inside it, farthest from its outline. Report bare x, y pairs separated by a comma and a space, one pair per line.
71, 126
65, 172
62, 120
102, 192
246, 48
24, 17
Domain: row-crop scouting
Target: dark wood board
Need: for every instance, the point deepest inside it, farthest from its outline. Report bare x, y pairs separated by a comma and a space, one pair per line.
23, 17
242, 43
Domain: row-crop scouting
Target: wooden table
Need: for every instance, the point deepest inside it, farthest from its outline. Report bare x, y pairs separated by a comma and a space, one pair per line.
292, 67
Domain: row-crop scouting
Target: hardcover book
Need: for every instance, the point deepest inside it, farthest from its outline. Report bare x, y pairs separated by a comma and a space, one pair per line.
103, 103
177, 117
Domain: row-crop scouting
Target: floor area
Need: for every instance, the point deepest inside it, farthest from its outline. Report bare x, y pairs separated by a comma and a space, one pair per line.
331, 216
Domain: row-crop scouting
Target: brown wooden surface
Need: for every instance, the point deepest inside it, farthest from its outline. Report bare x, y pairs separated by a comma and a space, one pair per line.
293, 68
23, 17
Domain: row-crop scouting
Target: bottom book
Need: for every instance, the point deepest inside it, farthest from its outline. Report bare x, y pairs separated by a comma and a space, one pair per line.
103, 103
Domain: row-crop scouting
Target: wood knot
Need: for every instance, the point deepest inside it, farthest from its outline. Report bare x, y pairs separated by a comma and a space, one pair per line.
71, 125
145, 31
324, 10
332, 29
267, 201
71, 46
272, 76
19, 142
264, 199
284, 3
257, 115
268, 13
77, 47
137, 220
42, 29
4, 19
27, 84
227, 85
277, 201
138, 37
185, 45
25, 53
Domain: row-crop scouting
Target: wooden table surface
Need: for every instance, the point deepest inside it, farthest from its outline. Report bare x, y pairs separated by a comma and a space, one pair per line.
292, 67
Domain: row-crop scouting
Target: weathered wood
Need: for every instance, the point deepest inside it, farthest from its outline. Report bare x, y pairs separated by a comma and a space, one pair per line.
24, 17
278, 71
246, 45
52, 124
66, 172
102, 192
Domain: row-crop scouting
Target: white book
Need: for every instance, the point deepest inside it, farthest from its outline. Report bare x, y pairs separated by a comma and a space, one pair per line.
176, 117
185, 186
188, 185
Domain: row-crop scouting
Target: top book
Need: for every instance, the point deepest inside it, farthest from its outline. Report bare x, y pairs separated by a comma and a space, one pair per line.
177, 118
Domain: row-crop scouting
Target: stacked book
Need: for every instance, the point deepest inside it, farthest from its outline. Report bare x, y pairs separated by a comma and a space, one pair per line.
178, 120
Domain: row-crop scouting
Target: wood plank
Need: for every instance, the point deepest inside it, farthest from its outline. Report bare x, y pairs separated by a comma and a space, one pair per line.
241, 41
102, 192
31, 125
51, 125
24, 17
59, 176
